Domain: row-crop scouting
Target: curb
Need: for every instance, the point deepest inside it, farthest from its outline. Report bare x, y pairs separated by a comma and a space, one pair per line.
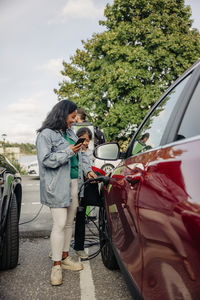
46, 233
35, 234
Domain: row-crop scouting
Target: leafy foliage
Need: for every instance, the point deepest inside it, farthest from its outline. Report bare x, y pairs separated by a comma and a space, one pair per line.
25, 148
17, 165
121, 72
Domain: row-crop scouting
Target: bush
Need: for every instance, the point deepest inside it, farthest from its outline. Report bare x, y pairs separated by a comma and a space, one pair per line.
17, 165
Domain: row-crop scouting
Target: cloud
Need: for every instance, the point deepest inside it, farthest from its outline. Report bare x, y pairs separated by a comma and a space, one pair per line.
20, 119
4, 80
53, 66
24, 106
80, 9
194, 4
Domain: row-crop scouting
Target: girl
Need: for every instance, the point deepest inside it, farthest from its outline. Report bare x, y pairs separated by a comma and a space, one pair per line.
92, 191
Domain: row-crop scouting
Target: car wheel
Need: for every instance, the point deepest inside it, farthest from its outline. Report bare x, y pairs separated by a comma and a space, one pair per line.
10, 249
107, 253
107, 168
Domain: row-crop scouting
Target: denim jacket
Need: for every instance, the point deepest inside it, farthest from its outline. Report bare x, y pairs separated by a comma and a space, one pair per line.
54, 153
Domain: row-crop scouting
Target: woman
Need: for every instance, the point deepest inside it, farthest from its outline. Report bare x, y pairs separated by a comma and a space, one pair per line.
62, 168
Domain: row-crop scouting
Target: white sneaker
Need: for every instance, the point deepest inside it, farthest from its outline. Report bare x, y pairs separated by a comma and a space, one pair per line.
69, 264
56, 275
82, 254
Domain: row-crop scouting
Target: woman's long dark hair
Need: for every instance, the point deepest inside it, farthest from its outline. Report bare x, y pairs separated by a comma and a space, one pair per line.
56, 118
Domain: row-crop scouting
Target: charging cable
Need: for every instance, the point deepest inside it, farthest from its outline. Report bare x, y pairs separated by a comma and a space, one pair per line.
92, 241
95, 240
33, 217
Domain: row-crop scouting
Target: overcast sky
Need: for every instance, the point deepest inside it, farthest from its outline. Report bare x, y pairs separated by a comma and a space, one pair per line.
35, 37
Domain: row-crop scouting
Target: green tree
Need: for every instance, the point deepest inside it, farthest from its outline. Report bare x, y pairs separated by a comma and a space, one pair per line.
121, 72
24, 148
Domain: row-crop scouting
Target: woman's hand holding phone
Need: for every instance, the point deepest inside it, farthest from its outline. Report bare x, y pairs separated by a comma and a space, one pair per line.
80, 141
76, 148
78, 145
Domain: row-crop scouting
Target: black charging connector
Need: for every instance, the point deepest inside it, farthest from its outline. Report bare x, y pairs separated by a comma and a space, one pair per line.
104, 179
80, 209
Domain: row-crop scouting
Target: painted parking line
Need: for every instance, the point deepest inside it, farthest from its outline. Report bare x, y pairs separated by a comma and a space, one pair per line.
86, 282
31, 184
34, 203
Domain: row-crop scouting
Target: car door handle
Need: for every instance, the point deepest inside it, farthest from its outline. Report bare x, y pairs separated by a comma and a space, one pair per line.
134, 178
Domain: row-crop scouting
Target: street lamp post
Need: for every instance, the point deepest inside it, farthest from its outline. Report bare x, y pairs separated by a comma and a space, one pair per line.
4, 139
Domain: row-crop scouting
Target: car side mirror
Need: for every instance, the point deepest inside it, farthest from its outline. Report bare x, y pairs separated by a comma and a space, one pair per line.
107, 151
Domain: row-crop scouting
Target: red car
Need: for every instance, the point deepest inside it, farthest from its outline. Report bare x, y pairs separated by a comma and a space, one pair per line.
150, 221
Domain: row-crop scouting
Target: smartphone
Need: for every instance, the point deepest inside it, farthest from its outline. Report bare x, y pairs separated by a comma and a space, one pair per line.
80, 141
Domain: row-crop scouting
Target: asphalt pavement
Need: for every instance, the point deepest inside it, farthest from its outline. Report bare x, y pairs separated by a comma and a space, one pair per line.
31, 278
37, 218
